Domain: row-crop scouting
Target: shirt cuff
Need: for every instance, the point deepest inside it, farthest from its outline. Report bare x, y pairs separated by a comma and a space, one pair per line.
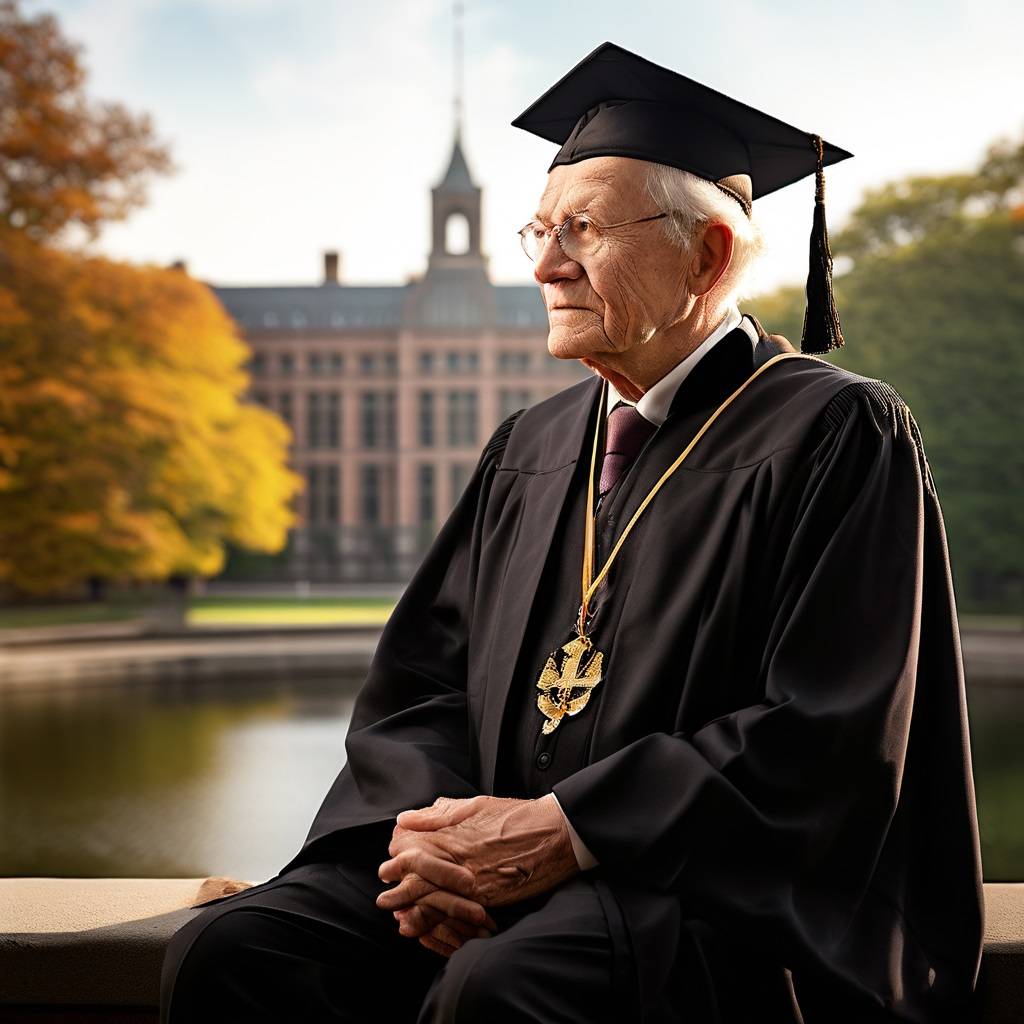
584, 857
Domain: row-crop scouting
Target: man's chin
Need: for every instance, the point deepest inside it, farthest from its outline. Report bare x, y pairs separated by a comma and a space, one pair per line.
573, 341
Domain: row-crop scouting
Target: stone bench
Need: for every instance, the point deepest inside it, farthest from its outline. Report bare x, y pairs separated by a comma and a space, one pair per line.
90, 949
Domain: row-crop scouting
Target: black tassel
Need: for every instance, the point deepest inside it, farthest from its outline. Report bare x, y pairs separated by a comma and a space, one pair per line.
822, 331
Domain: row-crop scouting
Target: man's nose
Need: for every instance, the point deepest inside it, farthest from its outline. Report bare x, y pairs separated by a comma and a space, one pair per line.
552, 263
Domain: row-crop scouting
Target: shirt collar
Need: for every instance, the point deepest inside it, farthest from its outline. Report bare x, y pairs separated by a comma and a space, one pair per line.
656, 401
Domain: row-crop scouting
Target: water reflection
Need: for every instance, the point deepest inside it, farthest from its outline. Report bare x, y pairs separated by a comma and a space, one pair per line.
171, 780
183, 779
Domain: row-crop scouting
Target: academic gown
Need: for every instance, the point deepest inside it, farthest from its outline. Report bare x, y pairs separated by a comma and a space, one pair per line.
774, 772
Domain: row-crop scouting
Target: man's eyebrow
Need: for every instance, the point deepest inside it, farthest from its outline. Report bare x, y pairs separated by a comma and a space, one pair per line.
572, 197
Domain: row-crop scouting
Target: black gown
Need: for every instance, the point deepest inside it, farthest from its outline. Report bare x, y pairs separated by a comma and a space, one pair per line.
774, 773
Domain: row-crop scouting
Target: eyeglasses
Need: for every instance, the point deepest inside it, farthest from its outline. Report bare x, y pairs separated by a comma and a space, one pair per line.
579, 235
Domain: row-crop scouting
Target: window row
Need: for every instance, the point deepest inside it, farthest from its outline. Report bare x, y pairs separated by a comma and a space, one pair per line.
369, 364
286, 364
378, 416
323, 492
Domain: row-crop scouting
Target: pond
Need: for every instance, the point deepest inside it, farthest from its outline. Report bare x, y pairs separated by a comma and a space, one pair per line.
179, 780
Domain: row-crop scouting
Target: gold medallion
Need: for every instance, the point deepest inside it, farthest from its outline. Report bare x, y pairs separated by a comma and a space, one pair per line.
558, 684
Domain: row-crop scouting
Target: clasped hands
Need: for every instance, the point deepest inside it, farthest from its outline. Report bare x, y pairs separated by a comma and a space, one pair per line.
454, 859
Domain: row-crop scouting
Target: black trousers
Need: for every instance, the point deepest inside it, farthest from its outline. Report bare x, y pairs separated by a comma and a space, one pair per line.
311, 945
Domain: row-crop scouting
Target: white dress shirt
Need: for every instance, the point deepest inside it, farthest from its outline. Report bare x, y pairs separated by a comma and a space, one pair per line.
654, 405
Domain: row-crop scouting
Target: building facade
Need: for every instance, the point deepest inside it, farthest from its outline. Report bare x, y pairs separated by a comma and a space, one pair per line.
391, 391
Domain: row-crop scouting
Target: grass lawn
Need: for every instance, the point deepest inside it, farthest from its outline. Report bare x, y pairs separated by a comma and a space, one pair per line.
65, 615
277, 611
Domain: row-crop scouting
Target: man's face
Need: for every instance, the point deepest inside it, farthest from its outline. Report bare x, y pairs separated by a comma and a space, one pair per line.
634, 281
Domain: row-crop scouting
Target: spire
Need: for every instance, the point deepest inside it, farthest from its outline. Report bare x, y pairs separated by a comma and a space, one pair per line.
457, 64
457, 178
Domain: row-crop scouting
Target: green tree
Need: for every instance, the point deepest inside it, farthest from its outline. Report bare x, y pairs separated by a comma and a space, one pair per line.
933, 303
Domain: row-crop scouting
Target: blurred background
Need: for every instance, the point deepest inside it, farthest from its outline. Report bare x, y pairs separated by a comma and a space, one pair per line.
262, 301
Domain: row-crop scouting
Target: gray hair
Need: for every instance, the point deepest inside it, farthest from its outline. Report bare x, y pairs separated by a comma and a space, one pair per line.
694, 203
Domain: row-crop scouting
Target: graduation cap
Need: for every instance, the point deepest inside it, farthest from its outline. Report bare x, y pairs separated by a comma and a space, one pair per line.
616, 103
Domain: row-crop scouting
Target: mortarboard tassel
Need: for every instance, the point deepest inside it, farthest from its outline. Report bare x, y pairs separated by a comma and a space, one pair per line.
821, 320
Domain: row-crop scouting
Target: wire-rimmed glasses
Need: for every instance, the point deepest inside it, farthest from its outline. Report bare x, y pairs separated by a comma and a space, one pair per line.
578, 236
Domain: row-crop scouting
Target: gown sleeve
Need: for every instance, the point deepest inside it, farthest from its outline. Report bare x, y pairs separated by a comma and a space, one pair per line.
408, 739
832, 824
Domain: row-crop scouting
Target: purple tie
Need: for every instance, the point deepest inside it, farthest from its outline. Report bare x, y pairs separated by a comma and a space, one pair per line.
627, 431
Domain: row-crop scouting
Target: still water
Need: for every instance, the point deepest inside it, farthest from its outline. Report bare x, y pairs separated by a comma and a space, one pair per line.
174, 780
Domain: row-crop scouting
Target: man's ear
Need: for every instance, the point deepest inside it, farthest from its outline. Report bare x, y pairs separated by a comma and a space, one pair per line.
711, 258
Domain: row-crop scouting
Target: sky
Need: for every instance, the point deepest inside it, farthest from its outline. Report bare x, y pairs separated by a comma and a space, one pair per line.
304, 125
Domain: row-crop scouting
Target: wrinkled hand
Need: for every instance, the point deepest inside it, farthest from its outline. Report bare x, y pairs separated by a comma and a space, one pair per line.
490, 851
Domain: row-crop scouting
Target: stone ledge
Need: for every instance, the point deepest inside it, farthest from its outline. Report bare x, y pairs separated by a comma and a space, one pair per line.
90, 949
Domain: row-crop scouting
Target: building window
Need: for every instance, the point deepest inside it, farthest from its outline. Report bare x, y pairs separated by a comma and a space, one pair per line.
460, 477
427, 495
511, 400
389, 414
337, 319
427, 413
258, 364
269, 319
298, 318
426, 363
391, 362
367, 364
286, 364
368, 418
370, 494
315, 363
312, 495
285, 407
514, 362
261, 398
332, 501
333, 419
337, 362
472, 362
314, 438
378, 415
453, 361
462, 418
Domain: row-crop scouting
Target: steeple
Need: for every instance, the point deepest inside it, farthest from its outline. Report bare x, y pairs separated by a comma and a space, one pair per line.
456, 213
456, 197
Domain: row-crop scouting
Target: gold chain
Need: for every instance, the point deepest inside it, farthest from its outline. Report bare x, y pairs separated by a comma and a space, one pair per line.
590, 583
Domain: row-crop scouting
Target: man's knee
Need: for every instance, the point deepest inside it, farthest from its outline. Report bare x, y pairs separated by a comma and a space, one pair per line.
474, 985
203, 956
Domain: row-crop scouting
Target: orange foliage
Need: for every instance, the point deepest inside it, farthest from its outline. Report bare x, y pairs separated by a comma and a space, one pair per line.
63, 160
126, 448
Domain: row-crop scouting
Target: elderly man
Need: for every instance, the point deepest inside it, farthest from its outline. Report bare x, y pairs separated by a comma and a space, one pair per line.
670, 724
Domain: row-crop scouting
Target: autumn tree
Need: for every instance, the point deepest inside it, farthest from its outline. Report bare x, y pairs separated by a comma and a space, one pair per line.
933, 302
63, 159
127, 451
127, 448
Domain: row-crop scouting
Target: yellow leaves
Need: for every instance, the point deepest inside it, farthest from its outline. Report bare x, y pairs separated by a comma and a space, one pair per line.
125, 447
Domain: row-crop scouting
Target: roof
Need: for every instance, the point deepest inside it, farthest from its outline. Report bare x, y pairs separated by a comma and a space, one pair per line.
443, 302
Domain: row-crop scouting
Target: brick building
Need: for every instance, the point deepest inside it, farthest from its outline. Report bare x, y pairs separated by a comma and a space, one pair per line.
391, 391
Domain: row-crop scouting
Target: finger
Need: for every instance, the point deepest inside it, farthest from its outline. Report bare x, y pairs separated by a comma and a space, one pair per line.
448, 935
405, 894
417, 920
454, 905
437, 946
445, 874
443, 811
469, 931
